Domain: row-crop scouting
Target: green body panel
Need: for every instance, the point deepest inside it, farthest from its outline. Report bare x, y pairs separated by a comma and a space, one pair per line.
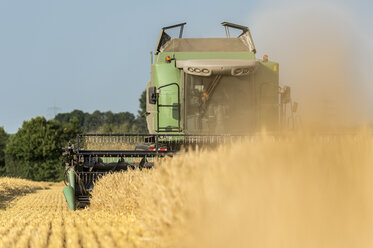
69, 191
204, 55
72, 178
69, 194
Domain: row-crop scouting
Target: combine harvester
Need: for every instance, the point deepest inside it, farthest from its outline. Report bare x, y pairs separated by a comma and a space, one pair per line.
203, 91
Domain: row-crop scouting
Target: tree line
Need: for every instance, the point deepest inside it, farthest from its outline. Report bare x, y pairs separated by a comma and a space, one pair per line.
35, 151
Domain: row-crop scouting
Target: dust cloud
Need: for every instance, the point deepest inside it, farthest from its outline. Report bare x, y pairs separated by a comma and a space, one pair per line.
296, 191
317, 46
299, 190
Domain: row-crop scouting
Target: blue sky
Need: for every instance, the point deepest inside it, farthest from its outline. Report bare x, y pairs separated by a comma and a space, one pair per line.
94, 55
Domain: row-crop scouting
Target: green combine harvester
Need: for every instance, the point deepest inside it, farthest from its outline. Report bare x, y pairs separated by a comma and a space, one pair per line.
203, 91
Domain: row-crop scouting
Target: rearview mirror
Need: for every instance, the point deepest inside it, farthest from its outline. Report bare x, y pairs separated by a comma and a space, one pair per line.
152, 95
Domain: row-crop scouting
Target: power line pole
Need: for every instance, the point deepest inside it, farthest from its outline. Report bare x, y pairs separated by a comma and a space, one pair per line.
54, 109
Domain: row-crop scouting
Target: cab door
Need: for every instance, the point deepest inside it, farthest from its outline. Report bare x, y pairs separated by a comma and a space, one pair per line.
168, 108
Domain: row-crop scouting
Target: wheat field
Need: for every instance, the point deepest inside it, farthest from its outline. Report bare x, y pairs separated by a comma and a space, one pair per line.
297, 191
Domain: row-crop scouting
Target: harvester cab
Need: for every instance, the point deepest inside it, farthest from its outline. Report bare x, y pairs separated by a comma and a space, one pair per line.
202, 91
213, 86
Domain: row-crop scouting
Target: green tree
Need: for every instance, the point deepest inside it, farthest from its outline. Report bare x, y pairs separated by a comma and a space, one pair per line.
3, 141
142, 101
34, 152
98, 121
109, 122
140, 125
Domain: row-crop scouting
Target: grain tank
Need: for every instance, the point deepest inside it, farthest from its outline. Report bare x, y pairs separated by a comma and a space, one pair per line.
211, 85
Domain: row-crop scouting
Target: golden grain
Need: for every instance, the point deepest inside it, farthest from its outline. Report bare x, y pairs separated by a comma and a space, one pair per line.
303, 190
299, 191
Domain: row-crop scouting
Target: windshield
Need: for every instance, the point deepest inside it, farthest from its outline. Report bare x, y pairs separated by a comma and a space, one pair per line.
219, 104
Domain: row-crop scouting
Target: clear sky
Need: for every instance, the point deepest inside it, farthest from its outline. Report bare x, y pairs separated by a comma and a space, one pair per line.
94, 55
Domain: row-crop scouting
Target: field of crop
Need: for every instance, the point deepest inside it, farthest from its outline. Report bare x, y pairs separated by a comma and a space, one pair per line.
299, 191
42, 219
10, 188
